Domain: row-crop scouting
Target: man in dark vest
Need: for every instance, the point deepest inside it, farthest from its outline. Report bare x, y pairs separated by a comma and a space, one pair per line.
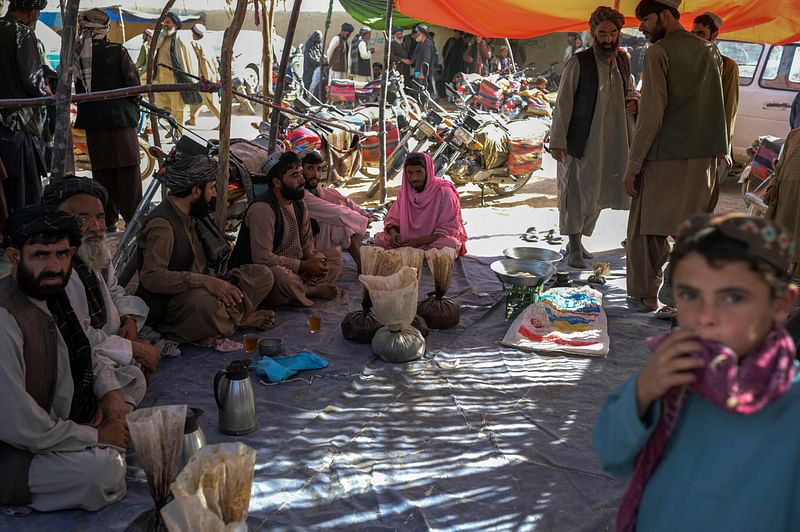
590, 133
183, 274
398, 55
424, 58
361, 56
111, 124
277, 232
338, 53
21, 146
55, 438
680, 134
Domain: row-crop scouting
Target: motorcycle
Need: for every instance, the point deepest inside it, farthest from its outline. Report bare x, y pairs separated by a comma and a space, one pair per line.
758, 173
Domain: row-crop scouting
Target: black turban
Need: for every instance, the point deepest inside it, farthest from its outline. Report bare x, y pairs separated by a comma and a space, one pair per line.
40, 219
175, 18
189, 171
27, 5
348, 27
60, 190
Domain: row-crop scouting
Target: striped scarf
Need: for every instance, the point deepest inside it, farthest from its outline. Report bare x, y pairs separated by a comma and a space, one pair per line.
84, 402
94, 296
90, 32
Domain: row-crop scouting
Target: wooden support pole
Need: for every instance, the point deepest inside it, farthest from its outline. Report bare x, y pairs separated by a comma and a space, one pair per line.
63, 160
387, 35
278, 99
228, 39
151, 63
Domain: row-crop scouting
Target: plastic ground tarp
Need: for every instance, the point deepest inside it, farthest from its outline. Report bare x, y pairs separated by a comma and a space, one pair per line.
771, 21
473, 436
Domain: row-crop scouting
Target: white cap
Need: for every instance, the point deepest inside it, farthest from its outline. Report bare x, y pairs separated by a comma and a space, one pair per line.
199, 29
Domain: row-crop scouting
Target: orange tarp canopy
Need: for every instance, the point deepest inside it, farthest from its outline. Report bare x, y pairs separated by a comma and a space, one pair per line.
771, 21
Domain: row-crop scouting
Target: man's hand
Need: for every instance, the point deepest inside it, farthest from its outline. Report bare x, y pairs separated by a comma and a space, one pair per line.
395, 241
223, 290
670, 365
559, 154
146, 354
112, 406
128, 329
315, 266
629, 182
114, 432
632, 106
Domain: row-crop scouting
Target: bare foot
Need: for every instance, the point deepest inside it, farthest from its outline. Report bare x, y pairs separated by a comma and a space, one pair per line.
260, 319
323, 291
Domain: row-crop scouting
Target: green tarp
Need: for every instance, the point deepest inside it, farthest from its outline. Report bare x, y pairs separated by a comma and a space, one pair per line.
372, 13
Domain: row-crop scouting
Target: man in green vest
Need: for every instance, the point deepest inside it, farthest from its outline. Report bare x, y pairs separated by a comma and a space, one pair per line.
680, 133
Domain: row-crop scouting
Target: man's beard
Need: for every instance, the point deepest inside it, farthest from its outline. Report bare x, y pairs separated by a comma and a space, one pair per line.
606, 50
292, 193
171, 31
29, 285
95, 253
398, 41
199, 208
658, 33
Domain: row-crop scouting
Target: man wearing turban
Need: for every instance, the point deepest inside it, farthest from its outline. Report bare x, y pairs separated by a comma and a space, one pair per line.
21, 145
110, 124
338, 53
111, 318
183, 274
591, 132
58, 443
680, 134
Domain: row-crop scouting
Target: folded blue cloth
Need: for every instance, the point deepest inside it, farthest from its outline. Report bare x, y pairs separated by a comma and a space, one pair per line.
280, 369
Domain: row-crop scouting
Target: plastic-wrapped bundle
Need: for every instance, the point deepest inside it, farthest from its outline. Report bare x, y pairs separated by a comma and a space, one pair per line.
212, 493
411, 257
438, 311
394, 302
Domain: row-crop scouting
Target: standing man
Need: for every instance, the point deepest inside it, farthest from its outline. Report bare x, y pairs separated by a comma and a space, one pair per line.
680, 133
707, 26
141, 59
21, 146
398, 55
590, 135
172, 51
477, 55
110, 124
338, 53
424, 58
361, 55
453, 54
59, 448
208, 69
312, 57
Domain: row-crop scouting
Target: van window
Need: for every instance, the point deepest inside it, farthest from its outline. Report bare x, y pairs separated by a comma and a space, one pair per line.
746, 55
782, 70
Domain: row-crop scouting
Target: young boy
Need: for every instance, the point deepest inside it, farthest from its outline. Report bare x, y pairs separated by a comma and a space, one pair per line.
709, 429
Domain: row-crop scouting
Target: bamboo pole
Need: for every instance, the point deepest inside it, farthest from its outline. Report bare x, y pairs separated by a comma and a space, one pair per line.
113, 94
151, 61
266, 68
271, 56
63, 160
228, 39
287, 50
323, 64
387, 28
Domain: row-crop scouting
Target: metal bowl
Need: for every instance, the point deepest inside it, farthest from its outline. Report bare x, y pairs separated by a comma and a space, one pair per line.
523, 272
270, 346
531, 253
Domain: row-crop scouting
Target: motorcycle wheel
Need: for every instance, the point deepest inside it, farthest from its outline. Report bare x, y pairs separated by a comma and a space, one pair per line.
514, 185
147, 163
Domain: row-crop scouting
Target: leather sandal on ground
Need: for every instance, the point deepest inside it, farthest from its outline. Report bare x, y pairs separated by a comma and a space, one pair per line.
529, 235
552, 238
667, 313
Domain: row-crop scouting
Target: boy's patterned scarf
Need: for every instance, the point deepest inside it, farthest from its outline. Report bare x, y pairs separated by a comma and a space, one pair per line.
744, 389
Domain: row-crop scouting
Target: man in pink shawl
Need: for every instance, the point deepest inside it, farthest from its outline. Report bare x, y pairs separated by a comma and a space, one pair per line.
427, 213
342, 223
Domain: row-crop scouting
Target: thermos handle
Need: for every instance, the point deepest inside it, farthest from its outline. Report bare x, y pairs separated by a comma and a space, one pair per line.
217, 377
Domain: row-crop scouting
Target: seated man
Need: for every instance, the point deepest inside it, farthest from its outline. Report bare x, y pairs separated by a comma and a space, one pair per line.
427, 213
182, 271
277, 233
342, 223
110, 317
55, 438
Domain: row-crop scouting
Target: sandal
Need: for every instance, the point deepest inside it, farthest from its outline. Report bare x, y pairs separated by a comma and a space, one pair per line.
529, 235
667, 313
552, 238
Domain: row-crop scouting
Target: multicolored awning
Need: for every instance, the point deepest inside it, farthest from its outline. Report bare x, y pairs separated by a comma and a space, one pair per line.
771, 21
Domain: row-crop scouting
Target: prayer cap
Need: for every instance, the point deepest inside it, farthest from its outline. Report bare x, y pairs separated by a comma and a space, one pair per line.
603, 13
764, 239
348, 27
94, 17
422, 28
27, 5
38, 219
175, 18
364, 30
188, 171
715, 18
199, 29
149, 32
273, 159
396, 29
60, 190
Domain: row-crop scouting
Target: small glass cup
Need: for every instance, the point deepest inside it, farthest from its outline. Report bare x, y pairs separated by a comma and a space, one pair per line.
314, 323
250, 343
